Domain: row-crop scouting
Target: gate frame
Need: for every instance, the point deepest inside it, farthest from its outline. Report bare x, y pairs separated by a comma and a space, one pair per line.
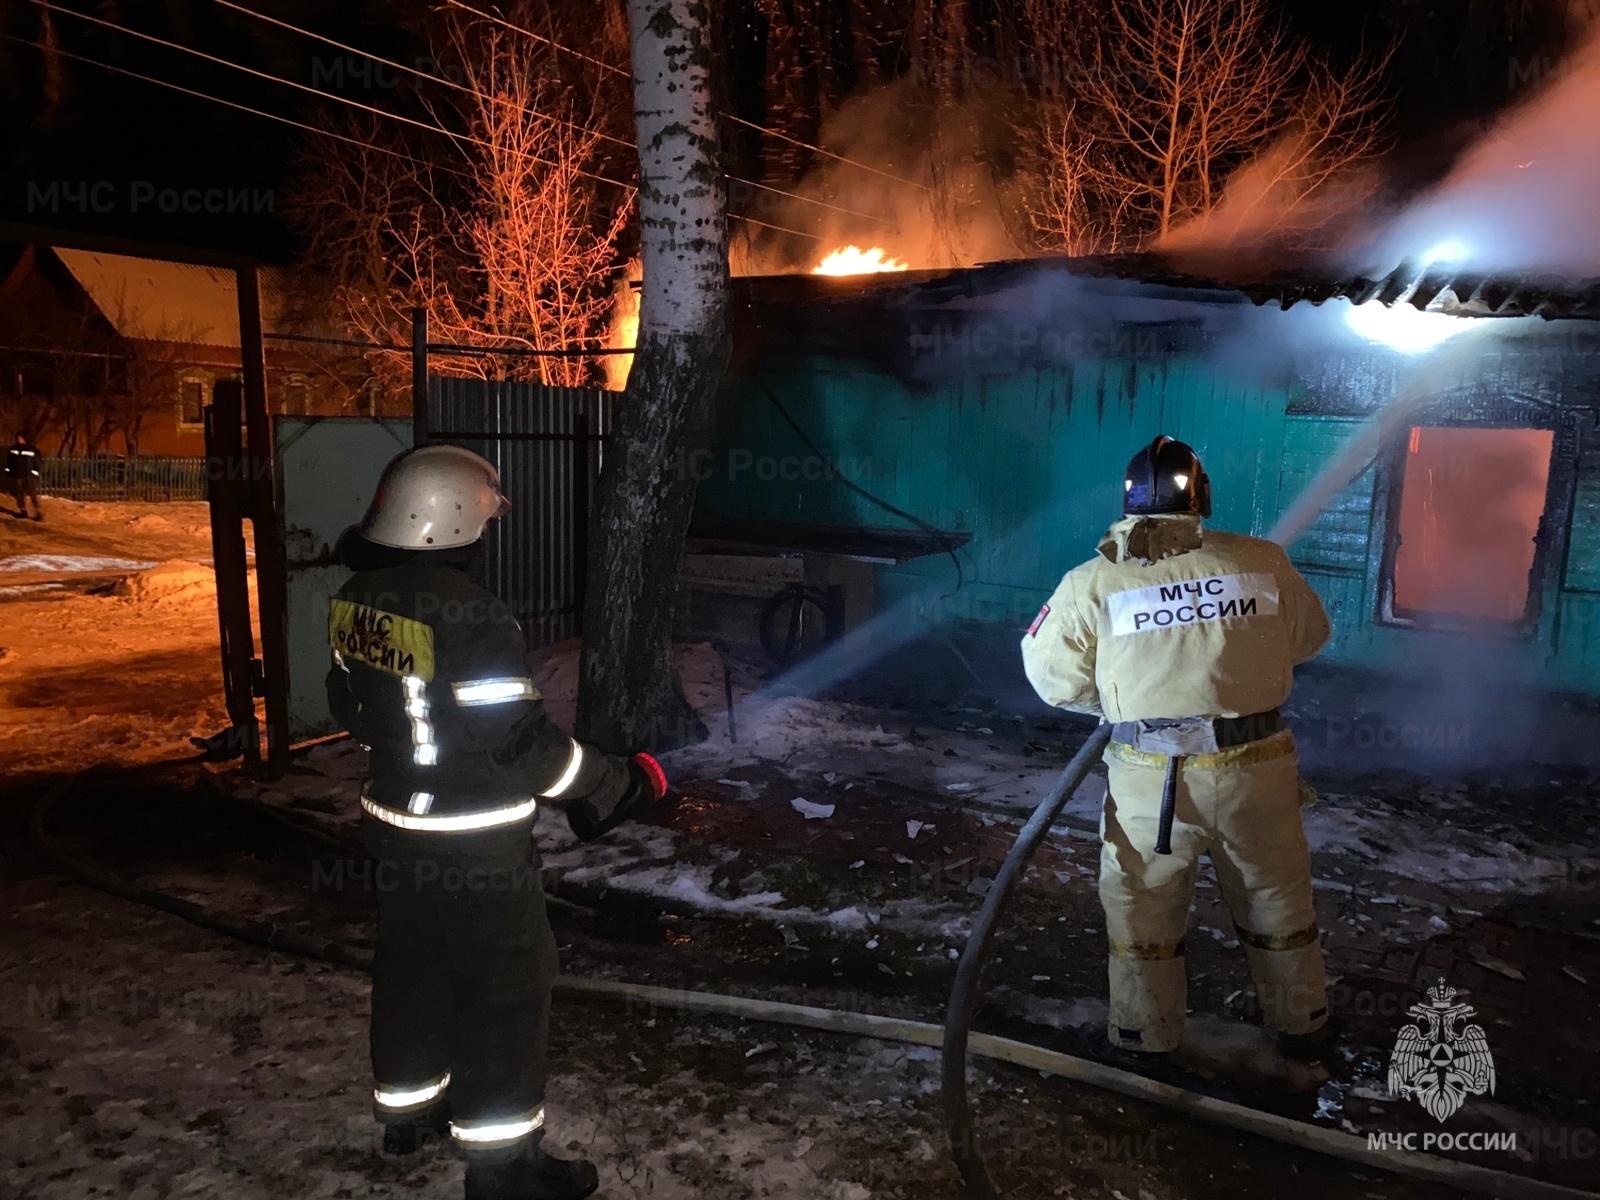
585, 467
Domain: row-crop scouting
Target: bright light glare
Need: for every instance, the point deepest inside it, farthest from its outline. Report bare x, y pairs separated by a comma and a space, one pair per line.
1406, 329
1451, 250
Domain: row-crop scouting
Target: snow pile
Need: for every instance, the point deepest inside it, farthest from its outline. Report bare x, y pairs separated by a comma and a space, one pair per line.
645, 860
69, 562
1444, 854
174, 581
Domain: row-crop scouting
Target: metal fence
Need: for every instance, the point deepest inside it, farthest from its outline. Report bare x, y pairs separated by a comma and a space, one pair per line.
104, 477
546, 443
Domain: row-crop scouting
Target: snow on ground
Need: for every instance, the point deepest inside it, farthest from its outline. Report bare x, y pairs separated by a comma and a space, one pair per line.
1453, 856
68, 562
149, 1060
172, 1063
211, 1069
977, 764
108, 636
822, 748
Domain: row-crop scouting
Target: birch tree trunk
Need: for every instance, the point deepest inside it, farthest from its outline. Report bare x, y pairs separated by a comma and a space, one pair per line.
629, 694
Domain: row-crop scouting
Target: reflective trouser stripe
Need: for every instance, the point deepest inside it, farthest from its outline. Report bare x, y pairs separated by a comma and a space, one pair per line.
397, 1099
1146, 951
1278, 941
489, 1134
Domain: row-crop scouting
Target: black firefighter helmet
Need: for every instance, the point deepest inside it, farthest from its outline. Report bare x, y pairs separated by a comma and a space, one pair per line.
1166, 477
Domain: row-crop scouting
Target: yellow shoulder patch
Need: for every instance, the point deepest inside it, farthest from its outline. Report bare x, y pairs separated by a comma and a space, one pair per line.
381, 639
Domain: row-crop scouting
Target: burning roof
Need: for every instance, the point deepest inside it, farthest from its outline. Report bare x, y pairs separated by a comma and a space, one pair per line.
1452, 290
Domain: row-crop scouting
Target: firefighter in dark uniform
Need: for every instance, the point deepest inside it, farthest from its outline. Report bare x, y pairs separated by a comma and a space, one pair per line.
24, 467
429, 674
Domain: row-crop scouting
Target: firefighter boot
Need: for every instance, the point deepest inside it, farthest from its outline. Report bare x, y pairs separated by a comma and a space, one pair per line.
532, 1175
1318, 1046
412, 1134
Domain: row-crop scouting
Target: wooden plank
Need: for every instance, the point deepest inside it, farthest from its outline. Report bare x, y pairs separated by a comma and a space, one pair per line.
1583, 548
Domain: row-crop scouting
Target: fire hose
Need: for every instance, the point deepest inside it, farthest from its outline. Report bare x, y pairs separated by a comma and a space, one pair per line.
969, 971
954, 1036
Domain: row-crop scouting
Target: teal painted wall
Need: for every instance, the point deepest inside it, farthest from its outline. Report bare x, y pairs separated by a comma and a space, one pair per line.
1030, 463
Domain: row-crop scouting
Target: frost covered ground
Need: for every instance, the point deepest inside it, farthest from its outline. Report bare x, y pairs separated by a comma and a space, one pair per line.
832, 854
840, 849
108, 635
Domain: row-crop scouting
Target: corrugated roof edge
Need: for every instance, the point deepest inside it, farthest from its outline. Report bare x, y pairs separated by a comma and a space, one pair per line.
1458, 292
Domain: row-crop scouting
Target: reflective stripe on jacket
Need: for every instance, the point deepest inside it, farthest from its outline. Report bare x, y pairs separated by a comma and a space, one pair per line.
22, 461
429, 672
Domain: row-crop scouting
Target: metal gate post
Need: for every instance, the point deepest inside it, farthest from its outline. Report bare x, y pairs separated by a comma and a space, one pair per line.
272, 585
580, 515
419, 377
226, 480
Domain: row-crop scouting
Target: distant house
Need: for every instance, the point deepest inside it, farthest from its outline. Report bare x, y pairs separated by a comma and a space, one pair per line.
108, 353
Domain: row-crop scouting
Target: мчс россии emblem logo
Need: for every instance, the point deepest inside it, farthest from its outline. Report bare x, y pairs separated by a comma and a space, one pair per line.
1441, 1060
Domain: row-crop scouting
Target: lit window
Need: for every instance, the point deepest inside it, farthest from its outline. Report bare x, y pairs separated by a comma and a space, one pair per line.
1470, 504
193, 396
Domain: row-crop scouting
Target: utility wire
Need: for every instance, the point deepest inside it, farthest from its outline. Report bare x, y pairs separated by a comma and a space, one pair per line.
461, 87
420, 74
312, 129
615, 70
815, 237
539, 37
449, 349
784, 137
257, 112
459, 137
439, 129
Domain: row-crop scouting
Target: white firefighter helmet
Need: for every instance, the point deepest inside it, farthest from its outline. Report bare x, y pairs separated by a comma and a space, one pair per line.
434, 498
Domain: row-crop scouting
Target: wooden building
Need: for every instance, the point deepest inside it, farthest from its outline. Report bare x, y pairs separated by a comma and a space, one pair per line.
117, 354
995, 408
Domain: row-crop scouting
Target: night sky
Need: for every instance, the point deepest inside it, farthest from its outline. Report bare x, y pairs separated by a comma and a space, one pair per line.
91, 150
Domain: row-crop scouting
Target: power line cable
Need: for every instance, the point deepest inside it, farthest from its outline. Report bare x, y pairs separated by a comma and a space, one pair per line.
784, 137
257, 112
461, 87
418, 72
312, 129
439, 129
539, 37
616, 70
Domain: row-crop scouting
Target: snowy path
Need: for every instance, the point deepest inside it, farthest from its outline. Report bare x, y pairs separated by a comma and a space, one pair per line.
147, 1060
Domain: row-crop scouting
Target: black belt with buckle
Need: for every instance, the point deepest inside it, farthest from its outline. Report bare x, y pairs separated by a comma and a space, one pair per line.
1181, 737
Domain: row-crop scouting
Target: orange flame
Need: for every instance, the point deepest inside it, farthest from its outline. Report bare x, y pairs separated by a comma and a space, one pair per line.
624, 330
853, 260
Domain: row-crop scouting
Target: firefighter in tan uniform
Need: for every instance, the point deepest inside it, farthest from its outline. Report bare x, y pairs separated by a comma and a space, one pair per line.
1186, 639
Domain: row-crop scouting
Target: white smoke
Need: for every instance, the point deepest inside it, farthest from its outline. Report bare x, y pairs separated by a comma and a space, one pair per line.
914, 185
1525, 197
